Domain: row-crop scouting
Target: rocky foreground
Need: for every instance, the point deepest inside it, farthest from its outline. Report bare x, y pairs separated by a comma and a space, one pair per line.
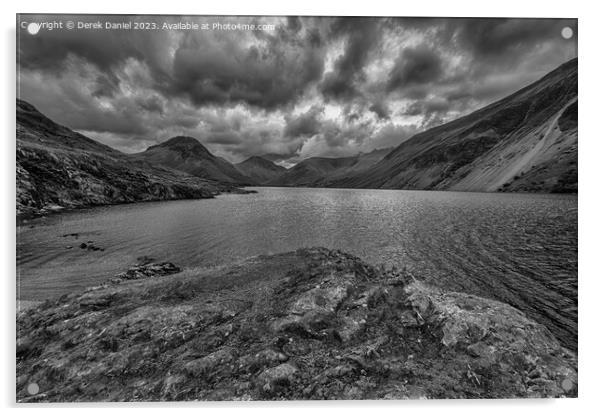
310, 324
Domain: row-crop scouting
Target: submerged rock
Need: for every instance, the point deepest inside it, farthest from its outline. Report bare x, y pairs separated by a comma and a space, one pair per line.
310, 324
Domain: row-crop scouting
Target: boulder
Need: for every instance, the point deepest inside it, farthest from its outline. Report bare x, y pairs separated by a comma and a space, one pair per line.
278, 377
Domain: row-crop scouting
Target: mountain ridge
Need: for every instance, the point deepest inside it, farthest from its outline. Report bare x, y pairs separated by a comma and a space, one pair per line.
318, 171
184, 143
261, 170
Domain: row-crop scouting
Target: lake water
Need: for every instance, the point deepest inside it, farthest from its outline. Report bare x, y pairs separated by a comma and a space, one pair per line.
517, 248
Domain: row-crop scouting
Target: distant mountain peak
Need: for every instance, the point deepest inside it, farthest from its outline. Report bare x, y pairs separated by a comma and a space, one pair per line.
185, 145
189, 155
181, 141
258, 160
260, 169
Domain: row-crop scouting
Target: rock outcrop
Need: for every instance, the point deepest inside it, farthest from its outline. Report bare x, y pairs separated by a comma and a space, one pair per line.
143, 271
310, 324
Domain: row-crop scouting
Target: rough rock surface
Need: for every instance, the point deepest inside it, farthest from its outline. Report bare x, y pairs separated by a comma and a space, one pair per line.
310, 324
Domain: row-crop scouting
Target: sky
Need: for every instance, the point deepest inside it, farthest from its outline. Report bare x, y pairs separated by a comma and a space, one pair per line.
296, 87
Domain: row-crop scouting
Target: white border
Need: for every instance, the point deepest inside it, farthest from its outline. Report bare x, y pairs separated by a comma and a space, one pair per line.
590, 151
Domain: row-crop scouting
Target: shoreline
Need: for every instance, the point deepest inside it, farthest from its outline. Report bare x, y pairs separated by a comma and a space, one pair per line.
23, 218
418, 190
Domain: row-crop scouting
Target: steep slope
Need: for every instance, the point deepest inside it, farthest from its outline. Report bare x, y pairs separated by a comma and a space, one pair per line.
34, 128
188, 155
311, 324
320, 171
367, 160
59, 168
260, 170
525, 142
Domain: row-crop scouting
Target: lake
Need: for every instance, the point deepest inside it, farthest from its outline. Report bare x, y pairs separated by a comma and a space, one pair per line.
517, 248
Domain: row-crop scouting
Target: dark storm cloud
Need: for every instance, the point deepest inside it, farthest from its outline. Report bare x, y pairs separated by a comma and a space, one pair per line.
415, 66
151, 104
464, 64
381, 110
104, 49
49, 51
294, 24
227, 137
106, 86
306, 124
361, 37
498, 39
208, 68
256, 92
222, 70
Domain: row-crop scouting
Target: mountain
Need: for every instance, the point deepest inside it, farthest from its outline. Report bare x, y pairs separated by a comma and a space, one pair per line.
260, 170
59, 168
188, 155
320, 171
526, 142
